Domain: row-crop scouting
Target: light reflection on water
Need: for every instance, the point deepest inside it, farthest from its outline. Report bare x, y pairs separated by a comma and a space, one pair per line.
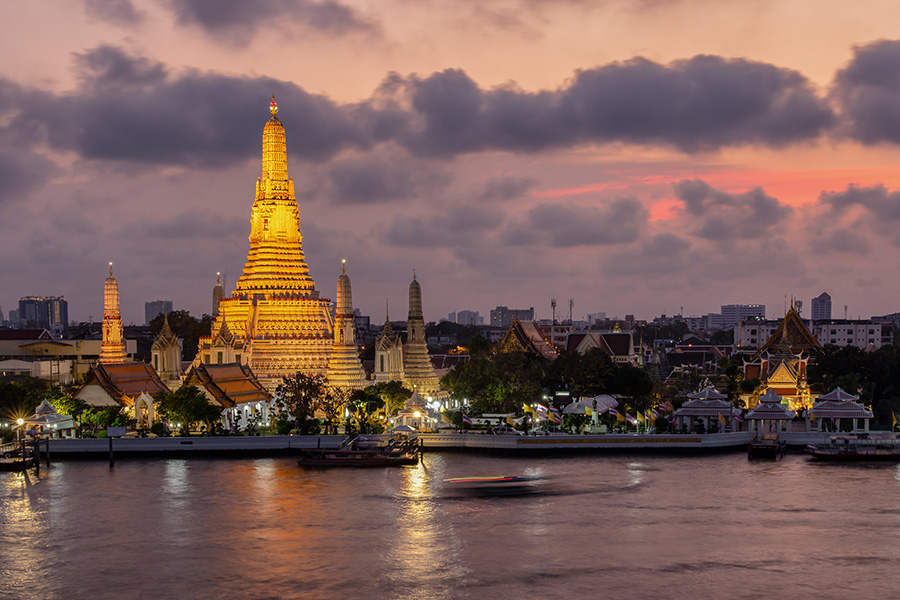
699, 527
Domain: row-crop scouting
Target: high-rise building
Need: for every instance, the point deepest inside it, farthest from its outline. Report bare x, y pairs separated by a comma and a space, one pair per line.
503, 316
466, 317
112, 350
155, 308
275, 320
821, 307
41, 312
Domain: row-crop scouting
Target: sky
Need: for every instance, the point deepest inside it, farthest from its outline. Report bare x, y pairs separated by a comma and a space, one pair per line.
636, 156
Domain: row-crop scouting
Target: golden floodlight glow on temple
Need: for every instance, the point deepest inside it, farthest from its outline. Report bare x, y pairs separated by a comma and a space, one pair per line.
275, 320
112, 349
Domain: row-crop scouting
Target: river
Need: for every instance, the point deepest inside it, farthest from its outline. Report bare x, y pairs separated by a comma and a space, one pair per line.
617, 527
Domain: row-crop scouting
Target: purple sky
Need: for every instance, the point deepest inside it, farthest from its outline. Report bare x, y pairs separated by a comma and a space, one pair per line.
637, 156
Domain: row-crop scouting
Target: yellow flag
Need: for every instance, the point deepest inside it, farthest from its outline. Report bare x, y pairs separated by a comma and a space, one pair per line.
588, 410
894, 418
445, 418
527, 408
510, 421
640, 416
721, 419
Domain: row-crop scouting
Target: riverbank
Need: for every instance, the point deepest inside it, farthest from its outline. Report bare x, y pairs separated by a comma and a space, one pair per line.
508, 445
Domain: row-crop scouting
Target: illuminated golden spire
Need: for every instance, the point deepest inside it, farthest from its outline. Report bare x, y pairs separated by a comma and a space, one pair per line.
112, 348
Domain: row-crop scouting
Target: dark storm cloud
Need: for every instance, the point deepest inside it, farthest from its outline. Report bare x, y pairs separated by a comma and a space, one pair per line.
702, 103
239, 19
723, 216
507, 188
867, 91
383, 179
118, 12
568, 225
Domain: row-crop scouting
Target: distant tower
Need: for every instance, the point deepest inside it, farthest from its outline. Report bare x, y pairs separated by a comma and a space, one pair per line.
344, 368
388, 353
821, 307
112, 350
418, 372
166, 356
218, 295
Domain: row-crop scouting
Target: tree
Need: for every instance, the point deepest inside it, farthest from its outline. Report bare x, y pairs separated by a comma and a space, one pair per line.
188, 405
392, 393
300, 395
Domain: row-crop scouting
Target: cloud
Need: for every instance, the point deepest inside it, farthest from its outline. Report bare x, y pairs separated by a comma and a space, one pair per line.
567, 225
128, 109
723, 216
22, 172
508, 187
461, 226
698, 104
872, 210
365, 180
117, 12
190, 225
240, 19
867, 90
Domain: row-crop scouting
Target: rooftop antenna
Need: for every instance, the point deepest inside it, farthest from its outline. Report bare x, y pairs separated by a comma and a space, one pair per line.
553, 309
845, 312
571, 306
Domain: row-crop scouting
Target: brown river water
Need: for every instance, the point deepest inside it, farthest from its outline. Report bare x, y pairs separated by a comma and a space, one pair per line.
604, 527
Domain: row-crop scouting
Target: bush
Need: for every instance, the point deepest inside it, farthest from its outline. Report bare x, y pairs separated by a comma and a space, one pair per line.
159, 429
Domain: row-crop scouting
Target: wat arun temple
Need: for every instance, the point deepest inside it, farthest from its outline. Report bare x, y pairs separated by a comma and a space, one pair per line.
275, 320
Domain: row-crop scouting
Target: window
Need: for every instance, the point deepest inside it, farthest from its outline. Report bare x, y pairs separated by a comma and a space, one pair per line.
219, 357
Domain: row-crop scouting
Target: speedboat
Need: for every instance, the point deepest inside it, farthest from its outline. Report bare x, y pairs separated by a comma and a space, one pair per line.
506, 485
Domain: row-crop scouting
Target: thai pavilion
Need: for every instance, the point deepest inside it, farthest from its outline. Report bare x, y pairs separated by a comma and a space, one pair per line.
835, 408
707, 406
770, 415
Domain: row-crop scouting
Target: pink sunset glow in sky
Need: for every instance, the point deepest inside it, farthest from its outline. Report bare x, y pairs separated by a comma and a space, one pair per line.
638, 156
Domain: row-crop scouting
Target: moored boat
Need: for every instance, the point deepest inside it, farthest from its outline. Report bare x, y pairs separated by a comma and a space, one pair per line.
357, 453
857, 447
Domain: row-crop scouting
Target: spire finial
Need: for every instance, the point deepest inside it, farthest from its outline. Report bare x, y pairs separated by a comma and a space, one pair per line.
273, 107
110, 267
414, 274
344, 266
387, 313
218, 278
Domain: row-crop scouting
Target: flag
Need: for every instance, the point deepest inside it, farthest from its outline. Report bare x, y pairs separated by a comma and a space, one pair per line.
555, 416
527, 409
722, 420
445, 418
654, 413
510, 421
588, 410
737, 417
631, 419
893, 420
649, 416
669, 406
466, 420
541, 409
614, 413
640, 416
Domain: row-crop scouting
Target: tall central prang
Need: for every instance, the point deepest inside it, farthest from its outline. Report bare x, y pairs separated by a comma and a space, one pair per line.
274, 321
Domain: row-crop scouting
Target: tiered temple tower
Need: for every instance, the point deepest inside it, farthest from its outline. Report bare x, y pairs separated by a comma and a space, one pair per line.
275, 312
418, 372
388, 353
165, 355
112, 350
345, 370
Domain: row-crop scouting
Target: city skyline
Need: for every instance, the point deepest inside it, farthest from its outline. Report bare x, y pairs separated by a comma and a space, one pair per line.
638, 157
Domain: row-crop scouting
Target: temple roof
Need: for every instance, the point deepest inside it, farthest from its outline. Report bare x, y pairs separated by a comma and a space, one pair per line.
770, 408
791, 334
846, 409
704, 408
124, 381
526, 336
229, 384
708, 393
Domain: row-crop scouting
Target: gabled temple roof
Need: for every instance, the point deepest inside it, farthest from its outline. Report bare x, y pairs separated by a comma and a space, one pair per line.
708, 393
526, 336
229, 384
846, 409
614, 343
770, 408
794, 333
124, 381
704, 408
